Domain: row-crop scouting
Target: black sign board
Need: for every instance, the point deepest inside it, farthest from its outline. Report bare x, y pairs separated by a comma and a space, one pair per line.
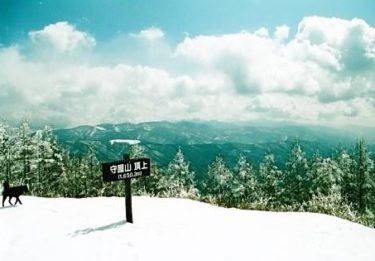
126, 169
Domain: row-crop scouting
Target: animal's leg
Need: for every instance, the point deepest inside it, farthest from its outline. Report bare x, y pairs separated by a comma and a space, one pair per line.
18, 200
4, 198
9, 200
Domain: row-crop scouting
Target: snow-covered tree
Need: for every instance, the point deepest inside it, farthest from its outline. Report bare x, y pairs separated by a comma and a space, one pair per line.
25, 147
364, 176
7, 155
180, 177
94, 174
325, 176
271, 179
217, 184
244, 184
49, 161
295, 173
139, 185
137, 151
8, 151
348, 182
157, 185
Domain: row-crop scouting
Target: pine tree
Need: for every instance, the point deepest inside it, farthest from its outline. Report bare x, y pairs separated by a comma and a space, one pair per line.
94, 181
25, 145
8, 151
217, 184
244, 184
181, 178
139, 185
50, 167
137, 151
271, 179
325, 177
347, 166
364, 176
295, 176
5, 138
155, 185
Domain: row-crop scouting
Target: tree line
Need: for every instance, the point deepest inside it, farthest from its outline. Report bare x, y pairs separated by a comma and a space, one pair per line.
341, 185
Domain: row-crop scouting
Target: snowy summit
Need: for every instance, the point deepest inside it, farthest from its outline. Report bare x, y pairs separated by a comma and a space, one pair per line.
173, 229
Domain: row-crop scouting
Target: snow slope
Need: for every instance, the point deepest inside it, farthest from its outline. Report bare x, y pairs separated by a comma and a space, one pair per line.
173, 229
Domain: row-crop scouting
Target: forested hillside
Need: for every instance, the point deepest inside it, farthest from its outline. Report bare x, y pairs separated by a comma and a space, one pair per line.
161, 140
342, 183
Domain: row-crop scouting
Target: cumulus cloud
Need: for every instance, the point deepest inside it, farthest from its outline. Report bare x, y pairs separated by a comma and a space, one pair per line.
323, 74
282, 33
63, 37
149, 34
329, 58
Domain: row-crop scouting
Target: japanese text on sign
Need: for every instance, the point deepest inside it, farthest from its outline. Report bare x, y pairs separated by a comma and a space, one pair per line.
126, 169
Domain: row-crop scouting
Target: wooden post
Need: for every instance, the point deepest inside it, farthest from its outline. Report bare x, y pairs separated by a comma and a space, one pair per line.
128, 197
126, 169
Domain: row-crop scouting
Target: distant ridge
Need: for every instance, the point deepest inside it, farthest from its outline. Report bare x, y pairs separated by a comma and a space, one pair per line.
201, 141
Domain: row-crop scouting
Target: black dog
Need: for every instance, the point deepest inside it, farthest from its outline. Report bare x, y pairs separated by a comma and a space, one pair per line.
13, 192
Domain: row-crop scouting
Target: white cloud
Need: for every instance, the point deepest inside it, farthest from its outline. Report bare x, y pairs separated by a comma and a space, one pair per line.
149, 34
324, 74
63, 37
282, 33
328, 58
262, 32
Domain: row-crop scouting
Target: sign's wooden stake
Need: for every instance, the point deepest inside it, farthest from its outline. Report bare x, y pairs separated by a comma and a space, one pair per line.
128, 196
126, 170
128, 201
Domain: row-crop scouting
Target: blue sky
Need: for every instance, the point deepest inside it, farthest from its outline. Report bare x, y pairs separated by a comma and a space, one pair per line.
104, 19
296, 61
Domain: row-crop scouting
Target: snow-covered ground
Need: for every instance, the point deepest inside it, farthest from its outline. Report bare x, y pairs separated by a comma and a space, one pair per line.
173, 229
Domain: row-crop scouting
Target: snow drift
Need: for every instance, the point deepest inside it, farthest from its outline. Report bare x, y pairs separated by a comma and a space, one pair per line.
173, 229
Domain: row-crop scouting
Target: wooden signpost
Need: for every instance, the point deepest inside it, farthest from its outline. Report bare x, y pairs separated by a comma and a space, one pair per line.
126, 170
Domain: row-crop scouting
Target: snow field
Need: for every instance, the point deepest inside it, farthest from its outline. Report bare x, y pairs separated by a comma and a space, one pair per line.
173, 229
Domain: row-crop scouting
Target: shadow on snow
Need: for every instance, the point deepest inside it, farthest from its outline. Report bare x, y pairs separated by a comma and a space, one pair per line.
86, 231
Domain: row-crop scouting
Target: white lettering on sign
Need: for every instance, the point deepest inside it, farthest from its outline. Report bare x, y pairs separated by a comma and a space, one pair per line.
129, 175
144, 165
128, 167
113, 169
129, 170
120, 168
137, 165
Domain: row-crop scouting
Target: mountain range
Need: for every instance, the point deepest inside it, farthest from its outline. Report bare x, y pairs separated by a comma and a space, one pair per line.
202, 141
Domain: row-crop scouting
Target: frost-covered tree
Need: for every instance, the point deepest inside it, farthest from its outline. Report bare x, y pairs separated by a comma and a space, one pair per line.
8, 151
139, 185
325, 176
271, 179
364, 170
180, 177
296, 168
49, 161
137, 151
244, 183
94, 181
5, 144
157, 185
217, 184
326, 181
348, 182
25, 147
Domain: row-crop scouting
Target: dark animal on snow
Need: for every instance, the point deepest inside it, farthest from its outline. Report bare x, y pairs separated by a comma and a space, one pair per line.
13, 192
